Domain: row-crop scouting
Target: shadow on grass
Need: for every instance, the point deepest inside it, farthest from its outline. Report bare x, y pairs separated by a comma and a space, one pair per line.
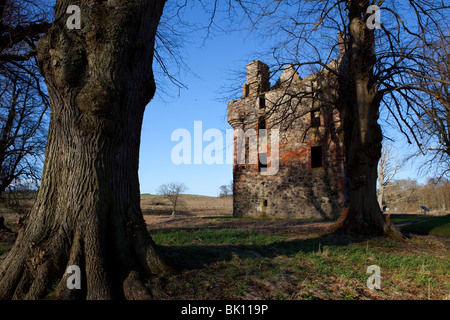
265, 226
197, 256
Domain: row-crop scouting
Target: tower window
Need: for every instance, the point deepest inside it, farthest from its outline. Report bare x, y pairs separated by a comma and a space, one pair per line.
261, 123
262, 101
316, 157
262, 161
315, 119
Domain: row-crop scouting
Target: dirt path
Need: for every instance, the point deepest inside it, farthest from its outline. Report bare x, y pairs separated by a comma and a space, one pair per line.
404, 223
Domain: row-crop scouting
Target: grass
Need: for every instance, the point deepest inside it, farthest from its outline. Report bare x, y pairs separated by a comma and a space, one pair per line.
240, 258
431, 225
241, 264
213, 237
192, 249
405, 217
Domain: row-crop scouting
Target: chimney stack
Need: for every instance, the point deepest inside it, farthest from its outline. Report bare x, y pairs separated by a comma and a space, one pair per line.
257, 78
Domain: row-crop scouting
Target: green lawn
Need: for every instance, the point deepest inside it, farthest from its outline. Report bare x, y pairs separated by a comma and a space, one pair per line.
236, 261
405, 217
242, 264
439, 226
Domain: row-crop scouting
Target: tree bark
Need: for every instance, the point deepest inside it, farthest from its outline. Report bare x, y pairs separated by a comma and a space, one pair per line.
87, 211
359, 106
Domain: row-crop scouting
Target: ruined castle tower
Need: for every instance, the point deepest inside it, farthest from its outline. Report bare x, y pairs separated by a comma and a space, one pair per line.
300, 172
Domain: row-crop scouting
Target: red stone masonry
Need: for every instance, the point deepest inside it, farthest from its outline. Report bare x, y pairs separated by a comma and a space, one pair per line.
310, 181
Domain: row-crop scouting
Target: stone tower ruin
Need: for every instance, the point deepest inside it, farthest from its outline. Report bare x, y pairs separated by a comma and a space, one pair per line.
309, 180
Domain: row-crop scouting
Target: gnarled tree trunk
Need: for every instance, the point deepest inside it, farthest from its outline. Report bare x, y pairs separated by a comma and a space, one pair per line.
87, 211
359, 106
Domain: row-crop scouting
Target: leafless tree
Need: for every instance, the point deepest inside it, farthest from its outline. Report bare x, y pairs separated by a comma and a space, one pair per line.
22, 133
373, 72
172, 34
388, 167
225, 191
87, 210
23, 101
407, 195
431, 105
172, 191
402, 195
21, 25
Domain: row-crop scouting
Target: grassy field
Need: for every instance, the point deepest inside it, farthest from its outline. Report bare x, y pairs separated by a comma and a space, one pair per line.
189, 204
224, 261
439, 226
221, 257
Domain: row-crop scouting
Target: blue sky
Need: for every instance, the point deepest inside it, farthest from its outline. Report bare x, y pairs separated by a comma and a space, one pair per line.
211, 63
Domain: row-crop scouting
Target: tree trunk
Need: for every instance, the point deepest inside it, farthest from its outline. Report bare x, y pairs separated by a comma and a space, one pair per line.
359, 107
87, 211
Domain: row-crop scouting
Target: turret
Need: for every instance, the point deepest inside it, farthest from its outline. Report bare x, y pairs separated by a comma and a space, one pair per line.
236, 114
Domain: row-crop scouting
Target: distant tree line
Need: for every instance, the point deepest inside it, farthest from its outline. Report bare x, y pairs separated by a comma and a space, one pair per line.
408, 195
